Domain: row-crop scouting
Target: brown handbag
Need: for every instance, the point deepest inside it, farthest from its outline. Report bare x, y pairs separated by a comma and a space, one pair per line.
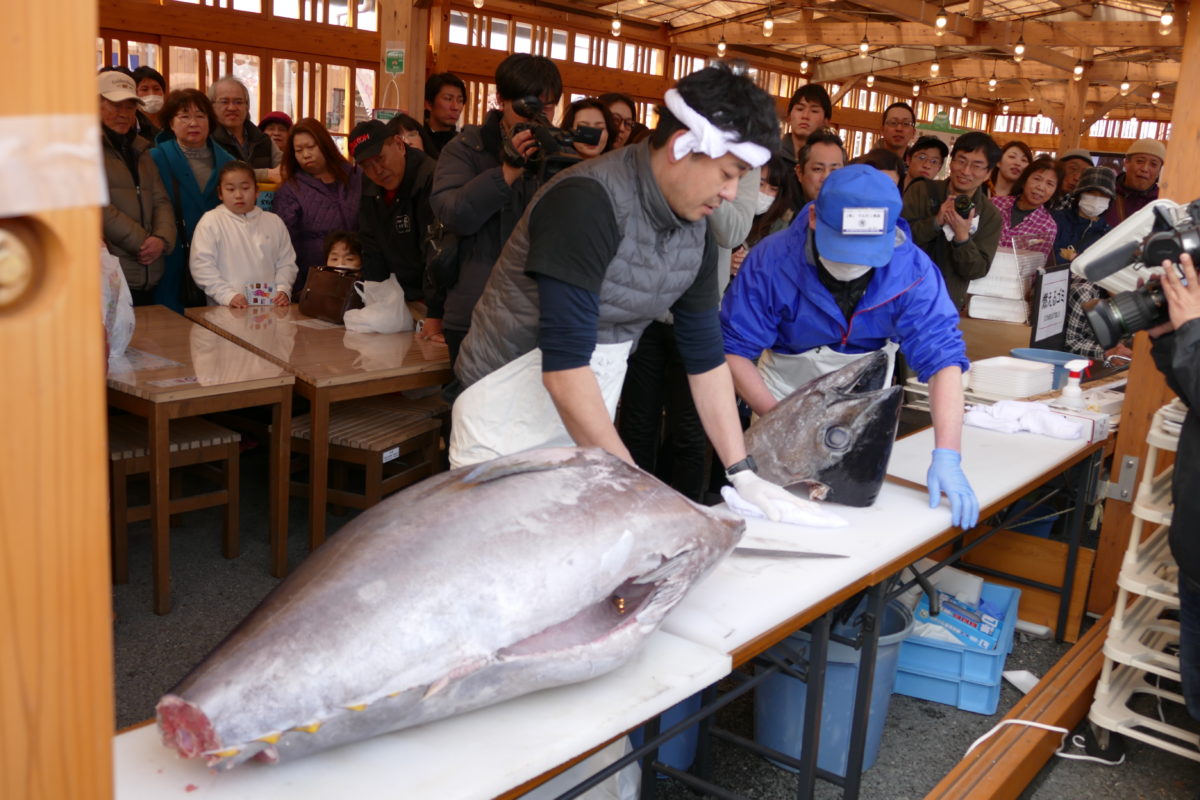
328, 293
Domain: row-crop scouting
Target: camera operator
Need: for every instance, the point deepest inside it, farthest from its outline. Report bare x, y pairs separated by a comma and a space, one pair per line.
478, 195
961, 241
1176, 351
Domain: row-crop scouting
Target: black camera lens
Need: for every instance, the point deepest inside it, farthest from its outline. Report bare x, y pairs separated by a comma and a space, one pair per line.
1126, 313
963, 205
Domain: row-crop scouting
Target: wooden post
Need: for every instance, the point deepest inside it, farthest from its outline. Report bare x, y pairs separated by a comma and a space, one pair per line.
402, 25
56, 683
1071, 123
1147, 387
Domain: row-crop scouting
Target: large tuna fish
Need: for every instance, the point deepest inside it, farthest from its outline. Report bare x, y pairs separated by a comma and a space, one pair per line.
833, 435
475, 586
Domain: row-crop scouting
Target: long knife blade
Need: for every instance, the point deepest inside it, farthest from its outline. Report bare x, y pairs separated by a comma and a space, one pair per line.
765, 552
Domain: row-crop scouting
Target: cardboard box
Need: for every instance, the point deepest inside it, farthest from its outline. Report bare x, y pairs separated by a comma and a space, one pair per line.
987, 338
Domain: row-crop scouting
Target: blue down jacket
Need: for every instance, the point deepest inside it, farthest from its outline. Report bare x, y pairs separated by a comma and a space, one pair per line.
777, 302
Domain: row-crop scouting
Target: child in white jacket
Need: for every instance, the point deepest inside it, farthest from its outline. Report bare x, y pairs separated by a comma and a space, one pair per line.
237, 245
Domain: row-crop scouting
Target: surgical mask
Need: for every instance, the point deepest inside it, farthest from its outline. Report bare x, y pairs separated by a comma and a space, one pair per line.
843, 271
152, 103
1093, 205
764, 202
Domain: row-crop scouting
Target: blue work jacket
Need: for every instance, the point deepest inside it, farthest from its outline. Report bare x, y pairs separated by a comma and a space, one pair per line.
777, 302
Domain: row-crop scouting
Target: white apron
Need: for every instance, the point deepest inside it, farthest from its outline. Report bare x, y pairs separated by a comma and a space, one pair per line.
510, 410
784, 374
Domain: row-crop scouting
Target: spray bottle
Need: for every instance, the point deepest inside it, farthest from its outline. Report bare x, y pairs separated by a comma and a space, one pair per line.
1072, 395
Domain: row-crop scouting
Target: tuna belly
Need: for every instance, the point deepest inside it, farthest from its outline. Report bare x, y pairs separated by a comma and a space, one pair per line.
596, 640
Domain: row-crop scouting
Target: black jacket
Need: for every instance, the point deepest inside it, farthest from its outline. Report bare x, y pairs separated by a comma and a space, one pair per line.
1178, 357
258, 145
393, 234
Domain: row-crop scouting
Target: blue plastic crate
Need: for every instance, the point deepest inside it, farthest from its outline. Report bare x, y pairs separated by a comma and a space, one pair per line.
958, 674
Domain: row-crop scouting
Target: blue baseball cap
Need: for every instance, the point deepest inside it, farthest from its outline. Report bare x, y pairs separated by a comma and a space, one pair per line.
857, 209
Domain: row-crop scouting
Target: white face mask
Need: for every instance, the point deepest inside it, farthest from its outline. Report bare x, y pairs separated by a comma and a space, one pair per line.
764, 202
152, 103
1093, 205
843, 271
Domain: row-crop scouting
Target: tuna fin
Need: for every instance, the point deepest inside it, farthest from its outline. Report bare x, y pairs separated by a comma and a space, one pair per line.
539, 460
311, 727
436, 686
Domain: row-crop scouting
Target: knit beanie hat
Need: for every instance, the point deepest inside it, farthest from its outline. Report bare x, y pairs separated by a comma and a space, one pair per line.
1097, 179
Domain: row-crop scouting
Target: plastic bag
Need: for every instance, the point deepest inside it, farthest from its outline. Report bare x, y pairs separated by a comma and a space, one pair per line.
384, 309
117, 304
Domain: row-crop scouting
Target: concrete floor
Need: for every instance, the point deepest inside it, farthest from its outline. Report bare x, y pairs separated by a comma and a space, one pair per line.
922, 740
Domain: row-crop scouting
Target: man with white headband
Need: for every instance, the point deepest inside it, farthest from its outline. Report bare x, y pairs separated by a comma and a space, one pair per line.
602, 250
845, 279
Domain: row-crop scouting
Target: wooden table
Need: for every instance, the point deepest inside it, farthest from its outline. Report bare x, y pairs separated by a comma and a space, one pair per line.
331, 364
175, 369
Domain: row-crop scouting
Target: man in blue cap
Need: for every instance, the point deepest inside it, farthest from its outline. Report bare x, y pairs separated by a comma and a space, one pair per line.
845, 279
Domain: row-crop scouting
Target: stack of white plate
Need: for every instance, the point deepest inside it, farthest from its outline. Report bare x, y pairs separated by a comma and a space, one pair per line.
1006, 376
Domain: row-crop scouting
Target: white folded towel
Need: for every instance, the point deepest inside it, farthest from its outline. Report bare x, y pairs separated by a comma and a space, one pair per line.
1013, 416
812, 515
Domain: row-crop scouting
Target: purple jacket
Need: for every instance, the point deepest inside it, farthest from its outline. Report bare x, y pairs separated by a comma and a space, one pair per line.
1128, 201
312, 210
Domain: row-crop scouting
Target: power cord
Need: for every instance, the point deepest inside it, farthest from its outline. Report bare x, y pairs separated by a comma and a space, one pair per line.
1076, 740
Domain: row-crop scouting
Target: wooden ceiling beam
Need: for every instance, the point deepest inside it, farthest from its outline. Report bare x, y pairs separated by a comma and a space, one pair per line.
1118, 99
1070, 33
924, 13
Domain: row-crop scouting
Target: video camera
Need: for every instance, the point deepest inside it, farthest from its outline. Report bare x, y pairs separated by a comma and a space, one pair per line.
1135, 249
555, 151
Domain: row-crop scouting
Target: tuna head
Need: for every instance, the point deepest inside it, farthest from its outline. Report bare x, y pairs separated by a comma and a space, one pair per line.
475, 586
833, 434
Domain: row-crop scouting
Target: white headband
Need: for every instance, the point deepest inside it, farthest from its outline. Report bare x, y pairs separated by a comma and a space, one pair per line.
705, 138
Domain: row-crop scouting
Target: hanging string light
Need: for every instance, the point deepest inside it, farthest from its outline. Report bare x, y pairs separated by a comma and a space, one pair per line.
804, 63
1078, 71
1019, 50
992, 80
1168, 16
1004, 109
941, 21
768, 23
916, 89
477, 3
871, 75
864, 47
721, 47
1155, 96
934, 68
964, 100
1125, 81
616, 24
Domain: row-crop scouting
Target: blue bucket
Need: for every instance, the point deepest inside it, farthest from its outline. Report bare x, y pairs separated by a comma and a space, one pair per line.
680, 751
779, 700
1056, 357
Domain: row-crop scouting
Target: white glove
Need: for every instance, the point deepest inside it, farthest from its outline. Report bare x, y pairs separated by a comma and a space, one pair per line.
764, 494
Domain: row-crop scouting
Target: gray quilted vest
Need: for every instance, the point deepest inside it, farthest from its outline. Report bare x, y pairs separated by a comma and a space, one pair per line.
657, 260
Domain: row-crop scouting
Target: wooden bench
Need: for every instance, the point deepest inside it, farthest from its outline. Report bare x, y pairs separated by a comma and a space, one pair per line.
396, 445
194, 440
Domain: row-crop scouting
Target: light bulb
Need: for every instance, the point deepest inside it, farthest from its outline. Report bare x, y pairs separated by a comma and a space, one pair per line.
941, 22
964, 101
1019, 48
1124, 87
916, 89
768, 24
721, 46
864, 47
870, 80
616, 26
1004, 109
1155, 96
1078, 70
1133, 119
934, 67
991, 84
1168, 15
477, 3
804, 65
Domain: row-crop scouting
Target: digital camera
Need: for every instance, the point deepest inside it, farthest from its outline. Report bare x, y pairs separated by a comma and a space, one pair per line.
555, 151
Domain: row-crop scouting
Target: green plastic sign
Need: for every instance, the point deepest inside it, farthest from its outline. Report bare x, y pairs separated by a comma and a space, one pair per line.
393, 62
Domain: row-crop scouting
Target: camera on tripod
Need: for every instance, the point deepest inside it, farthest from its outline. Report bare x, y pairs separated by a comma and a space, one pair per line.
1161, 231
555, 151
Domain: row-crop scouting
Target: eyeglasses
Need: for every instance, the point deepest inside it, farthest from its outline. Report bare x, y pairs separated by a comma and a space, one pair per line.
898, 123
924, 159
193, 117
966, 165
623, 122
236, 102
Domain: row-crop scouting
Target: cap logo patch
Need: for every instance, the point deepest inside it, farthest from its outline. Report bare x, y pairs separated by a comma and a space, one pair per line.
864, 221
354, 144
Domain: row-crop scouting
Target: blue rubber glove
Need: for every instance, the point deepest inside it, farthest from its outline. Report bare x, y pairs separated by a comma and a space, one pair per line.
946, 476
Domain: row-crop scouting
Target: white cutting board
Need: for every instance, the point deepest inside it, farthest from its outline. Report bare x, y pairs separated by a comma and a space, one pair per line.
475, 755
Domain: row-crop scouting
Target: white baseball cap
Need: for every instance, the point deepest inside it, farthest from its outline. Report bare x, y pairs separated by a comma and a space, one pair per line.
117, 86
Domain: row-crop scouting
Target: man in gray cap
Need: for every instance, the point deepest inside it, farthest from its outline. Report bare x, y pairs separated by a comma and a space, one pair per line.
1073, 163
139, 225
1138, 184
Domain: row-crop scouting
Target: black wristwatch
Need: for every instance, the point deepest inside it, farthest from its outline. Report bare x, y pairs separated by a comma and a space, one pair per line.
746, 463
